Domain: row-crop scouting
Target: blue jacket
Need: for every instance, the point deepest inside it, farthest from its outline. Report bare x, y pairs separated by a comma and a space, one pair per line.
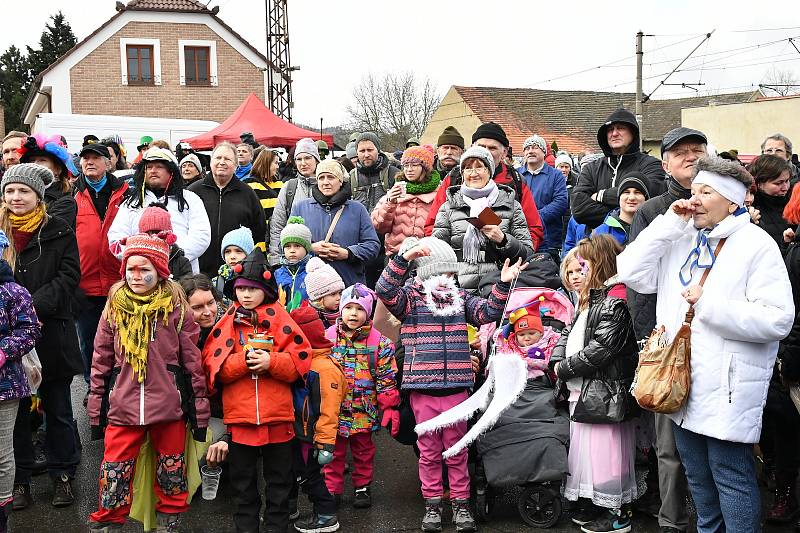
614, 227
353, 231
549, 189
291, 280
575, 232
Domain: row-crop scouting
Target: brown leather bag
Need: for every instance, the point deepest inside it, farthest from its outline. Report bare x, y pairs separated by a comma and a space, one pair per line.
663, 375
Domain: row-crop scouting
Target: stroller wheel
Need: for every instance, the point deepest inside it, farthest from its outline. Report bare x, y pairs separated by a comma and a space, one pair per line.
484, 503
539, 506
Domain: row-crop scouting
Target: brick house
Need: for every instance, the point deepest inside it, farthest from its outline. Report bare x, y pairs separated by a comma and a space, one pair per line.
172, 61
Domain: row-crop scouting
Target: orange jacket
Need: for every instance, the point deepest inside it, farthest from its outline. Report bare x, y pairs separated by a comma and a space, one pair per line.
319, 419
249, 398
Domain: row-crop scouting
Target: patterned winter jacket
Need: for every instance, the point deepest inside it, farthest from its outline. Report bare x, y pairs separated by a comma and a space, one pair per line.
367, 360
291, 280
437, 352
19, 331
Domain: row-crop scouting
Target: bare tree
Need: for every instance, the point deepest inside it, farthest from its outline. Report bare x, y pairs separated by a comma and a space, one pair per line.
396, 106
782, 82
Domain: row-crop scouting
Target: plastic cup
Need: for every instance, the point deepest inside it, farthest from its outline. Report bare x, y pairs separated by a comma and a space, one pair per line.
403, 188
210, 475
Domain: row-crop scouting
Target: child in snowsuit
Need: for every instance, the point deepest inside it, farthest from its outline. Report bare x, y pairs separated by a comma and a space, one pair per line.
291, 276
367, 358
324, 287
317, 422
255, 352
525, 335
145, 352
236, 246
437, 368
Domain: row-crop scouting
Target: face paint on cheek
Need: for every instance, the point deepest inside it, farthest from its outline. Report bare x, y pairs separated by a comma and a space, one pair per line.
148, 279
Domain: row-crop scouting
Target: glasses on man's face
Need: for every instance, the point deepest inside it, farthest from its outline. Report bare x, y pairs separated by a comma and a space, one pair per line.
474, 171
411, 166
774, 151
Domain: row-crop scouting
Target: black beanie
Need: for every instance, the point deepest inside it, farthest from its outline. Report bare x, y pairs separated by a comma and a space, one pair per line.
634, 180
490, 130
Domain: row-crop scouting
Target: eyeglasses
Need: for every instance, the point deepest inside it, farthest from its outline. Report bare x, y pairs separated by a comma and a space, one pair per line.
411, 166
699, 152
771, 151
474, 171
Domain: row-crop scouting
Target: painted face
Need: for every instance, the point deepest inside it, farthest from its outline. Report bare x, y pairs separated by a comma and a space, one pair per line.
527, 338
141, 275
249, 297
575, 275
353, 316
367, 153
776, 187
20, 198
294, 252
306, 164
204, 308
331, 301
449, 155
475, 173
711, 207
630, 200
10, 155
156, 175
328, 184
234, 255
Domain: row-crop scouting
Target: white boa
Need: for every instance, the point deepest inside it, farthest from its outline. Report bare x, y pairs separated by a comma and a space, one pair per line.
444, 286
507, 377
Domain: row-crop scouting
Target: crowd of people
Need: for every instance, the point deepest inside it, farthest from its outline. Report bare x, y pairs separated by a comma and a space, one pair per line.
254, 308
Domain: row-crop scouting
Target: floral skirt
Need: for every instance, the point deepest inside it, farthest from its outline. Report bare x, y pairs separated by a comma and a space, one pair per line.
601, 463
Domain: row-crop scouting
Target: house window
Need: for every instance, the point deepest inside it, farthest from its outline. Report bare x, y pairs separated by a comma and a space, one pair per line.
140, 64
197, 65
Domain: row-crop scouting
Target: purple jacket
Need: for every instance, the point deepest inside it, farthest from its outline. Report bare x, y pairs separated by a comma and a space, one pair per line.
19, 331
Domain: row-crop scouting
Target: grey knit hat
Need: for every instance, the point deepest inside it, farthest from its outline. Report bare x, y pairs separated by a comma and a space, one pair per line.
306, 146
193, 159
30, 174
442, 260
479, 152
297, 232
535, 140
371, 137
350, 151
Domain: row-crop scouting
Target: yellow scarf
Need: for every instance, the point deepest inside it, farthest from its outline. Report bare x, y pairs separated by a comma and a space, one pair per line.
136, 318
27, 223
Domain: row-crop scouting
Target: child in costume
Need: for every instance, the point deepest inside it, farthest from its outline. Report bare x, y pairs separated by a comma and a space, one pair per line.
291, 276
145, 352
324, 287
525, 335
19, 331
255, 353
317, 422
236, 246
367, 358
437, 368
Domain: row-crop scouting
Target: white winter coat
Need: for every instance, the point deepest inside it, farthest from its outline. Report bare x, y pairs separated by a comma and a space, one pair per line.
746, 307
191, 227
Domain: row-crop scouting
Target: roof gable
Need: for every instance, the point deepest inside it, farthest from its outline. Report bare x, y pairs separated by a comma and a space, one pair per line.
180, 6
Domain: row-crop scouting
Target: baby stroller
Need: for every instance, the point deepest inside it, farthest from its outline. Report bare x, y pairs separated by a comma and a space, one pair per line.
527, 446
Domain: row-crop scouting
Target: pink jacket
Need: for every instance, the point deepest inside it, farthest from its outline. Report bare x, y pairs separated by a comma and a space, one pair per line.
174, 369
403, 219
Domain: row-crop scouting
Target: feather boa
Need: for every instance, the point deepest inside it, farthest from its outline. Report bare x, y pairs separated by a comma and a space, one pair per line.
507, 377
442, 296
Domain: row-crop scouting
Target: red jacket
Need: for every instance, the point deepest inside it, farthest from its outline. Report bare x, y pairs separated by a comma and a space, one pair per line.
528, 206
99, 267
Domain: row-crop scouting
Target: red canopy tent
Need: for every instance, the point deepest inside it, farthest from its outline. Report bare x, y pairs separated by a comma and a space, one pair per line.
268, 129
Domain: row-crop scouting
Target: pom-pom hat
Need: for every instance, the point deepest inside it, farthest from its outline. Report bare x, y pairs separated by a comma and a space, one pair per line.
253, 272
321, 279
155, 219
297, 232
155, 248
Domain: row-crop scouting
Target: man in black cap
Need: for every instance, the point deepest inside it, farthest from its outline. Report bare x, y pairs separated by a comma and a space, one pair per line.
596, 192
449, 147
680, 150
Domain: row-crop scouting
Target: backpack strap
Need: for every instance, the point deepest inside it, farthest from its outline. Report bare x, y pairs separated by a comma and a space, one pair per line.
291, 190
385, 178
353, 182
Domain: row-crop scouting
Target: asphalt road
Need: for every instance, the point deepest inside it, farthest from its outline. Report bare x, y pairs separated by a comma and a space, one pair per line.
397, 503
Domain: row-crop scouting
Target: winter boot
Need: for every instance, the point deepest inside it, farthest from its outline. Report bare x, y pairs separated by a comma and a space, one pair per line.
22, 496
432, 521
5, 512
62, 491
318, 524
462, 516
362, 498
167, 523
784, 507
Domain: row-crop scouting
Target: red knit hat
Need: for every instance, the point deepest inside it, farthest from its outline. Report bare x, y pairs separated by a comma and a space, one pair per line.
527, 318
152, 247
155, 218
308, 322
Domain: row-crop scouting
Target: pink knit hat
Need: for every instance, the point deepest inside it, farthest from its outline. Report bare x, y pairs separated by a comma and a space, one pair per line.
358, 294
321, 279
155, 218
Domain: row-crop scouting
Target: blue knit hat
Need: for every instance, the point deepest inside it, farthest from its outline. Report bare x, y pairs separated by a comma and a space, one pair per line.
241, 238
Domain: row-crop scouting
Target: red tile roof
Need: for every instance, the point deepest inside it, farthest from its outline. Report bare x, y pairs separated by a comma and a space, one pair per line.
182, 6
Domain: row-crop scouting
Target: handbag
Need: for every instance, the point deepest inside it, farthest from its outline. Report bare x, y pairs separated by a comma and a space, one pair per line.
602, 401
663, 375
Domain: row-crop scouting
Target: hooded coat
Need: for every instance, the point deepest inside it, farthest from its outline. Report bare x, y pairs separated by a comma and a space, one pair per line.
602, 176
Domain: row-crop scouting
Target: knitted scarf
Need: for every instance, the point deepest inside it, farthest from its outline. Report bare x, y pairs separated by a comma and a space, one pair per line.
136, 318
27, 223
477, 200
422, 187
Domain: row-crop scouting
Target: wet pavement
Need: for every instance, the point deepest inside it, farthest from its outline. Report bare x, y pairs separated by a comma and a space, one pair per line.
397, 503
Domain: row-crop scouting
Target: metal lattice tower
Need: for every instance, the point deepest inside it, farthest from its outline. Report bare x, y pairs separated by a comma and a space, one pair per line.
279, 78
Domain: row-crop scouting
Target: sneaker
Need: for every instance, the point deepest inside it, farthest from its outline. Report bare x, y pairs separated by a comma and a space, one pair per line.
318, 524
363, 498
462, 516
22, 497
586, 513
62, 491
167, 523
432, 521
612, 521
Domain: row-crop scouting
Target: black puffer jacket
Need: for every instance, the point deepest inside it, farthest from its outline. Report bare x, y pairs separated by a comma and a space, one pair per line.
61, 204
789, 352
643, 306
771, 209
609, 344
602, 176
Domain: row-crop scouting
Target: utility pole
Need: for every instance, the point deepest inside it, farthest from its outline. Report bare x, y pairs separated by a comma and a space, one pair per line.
279, 69
639, 104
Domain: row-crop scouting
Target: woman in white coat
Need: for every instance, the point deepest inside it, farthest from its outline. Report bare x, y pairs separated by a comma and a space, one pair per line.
158, 179
741, 312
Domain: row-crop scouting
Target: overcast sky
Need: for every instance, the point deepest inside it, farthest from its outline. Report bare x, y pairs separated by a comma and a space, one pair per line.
500, 43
